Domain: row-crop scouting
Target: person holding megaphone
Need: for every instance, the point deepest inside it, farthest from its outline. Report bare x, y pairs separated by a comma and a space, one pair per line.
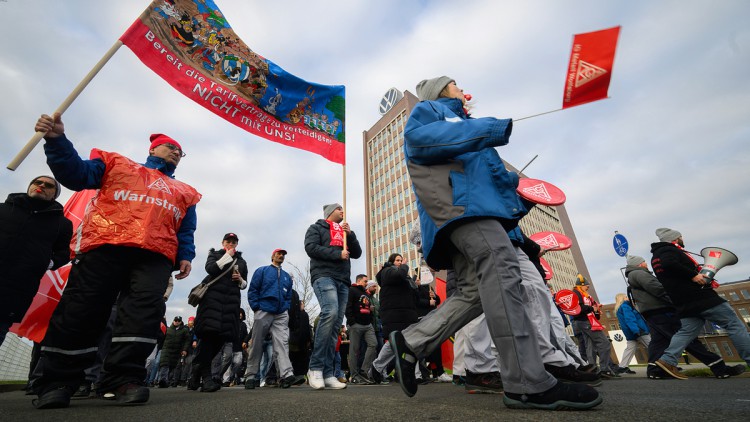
696, 302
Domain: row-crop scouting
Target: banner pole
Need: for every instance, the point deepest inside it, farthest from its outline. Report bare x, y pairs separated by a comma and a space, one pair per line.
26, 150
535, 115
343, 169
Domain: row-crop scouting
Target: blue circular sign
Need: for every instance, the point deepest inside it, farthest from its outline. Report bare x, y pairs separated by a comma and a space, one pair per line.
620, 244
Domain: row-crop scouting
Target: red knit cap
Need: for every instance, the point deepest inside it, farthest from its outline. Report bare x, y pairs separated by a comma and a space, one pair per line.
160, 139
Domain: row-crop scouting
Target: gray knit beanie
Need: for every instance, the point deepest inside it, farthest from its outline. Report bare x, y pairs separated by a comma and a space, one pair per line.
634, 260
667, 235
430, 89
57, 184
328, 209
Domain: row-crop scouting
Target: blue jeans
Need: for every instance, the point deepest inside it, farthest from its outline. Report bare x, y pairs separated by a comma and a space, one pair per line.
722, 315
332, 296
265, 361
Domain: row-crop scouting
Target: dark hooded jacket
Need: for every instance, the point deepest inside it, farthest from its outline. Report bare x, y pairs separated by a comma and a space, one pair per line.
675, 269
33, 232
398, 298
217, 314
176, 340
649, 296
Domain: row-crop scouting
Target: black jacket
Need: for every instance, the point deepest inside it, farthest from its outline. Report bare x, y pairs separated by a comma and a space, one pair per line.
675, 270
398, 295
32, 232
325, 260
358, 306
218, 312
176, 340
423, 301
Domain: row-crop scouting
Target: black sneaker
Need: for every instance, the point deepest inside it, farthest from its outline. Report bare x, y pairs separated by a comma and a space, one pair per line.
84, 391
731, 371
588, 368
250, 384
625, 370
132, 394
609, 375
562, 396
163, 384
57, 398
376, 377
483, 383
459, 380
359, 379
406, 362
210, 385
571, 374
291, 380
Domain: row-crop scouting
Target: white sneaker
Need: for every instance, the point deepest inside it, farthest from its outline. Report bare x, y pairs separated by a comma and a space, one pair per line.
333, 383
445, 378
315, 379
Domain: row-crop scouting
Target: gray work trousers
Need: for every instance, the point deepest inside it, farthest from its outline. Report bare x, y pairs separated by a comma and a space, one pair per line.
488, 279
356, 332
278, 325
540, 307
473, 349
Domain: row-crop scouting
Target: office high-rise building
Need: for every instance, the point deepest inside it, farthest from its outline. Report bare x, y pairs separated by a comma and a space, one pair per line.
390, 204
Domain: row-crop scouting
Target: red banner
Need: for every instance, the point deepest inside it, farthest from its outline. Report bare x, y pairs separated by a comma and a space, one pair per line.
35, 322
191, 45
590, 67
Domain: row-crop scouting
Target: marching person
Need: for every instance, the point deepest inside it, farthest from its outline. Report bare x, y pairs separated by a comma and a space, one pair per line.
634, 328
587, 323
467, 203
694, 298
216, 320
139, 229
34, 238
330, 272
270, 296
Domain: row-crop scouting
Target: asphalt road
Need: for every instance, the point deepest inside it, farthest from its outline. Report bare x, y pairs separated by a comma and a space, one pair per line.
633, 398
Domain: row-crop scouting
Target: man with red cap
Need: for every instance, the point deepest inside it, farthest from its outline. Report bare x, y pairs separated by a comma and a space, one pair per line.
270, 295
137, 230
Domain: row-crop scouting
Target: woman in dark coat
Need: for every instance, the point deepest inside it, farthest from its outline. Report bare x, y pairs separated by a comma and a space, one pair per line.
216, 319
398, 296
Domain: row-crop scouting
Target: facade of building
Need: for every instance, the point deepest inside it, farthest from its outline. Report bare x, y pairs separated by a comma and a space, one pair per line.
390, 204
15, 358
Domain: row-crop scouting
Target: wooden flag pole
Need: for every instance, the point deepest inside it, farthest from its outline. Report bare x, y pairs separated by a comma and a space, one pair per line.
343, 169
26, 150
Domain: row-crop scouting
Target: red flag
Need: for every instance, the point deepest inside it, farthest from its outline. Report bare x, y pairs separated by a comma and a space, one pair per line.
191, 45
35, 322
590, 67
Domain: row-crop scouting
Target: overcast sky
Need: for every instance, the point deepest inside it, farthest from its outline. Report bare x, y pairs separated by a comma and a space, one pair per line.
668, 149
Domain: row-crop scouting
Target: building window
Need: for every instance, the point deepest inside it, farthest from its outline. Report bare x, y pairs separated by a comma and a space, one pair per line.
612, 327
727, 349
745, 294
609, 314
745, 314
734, 296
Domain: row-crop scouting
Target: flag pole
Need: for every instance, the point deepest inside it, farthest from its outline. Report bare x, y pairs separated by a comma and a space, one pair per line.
536, 115
26, 150
343, 169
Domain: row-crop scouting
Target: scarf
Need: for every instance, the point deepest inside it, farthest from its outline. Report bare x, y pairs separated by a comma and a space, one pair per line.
337, 234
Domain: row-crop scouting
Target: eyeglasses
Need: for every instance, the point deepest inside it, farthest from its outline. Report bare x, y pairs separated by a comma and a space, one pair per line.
175, 148
46, 185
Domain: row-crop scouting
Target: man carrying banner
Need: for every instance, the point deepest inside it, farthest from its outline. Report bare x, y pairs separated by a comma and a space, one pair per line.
34, 237
467, 203
138, 229
330, 270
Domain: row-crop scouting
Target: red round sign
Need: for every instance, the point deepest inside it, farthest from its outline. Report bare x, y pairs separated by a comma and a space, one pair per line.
548, 273
568, 302
540, 192
552, 241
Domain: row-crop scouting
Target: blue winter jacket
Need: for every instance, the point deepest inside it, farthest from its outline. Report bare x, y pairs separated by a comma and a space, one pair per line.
457, 173
77, 174
631, 322
270, 290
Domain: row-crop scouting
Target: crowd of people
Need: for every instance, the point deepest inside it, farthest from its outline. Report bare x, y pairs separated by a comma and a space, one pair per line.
109, 337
